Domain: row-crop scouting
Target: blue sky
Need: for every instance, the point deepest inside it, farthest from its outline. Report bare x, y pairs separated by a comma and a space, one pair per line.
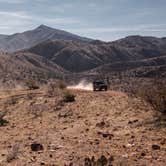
100, 19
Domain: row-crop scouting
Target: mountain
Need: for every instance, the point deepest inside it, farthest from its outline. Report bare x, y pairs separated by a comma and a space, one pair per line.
72, 56
79, 57
19, 41
66, 53
2, 36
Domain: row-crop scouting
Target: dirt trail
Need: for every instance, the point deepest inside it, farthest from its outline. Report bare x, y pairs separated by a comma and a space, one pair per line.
97, 123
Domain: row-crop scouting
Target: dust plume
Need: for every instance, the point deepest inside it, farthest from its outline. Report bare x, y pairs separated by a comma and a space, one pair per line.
82, 85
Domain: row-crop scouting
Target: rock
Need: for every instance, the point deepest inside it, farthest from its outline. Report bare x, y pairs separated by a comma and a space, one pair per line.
143, 154
87, 130
129, 145
125, 156
97, 142
133, 121
106, 135
155, 147
37, 147
163, 142
100, 124
132, 136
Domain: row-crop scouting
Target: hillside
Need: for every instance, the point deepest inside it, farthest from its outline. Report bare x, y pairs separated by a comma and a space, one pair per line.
78, 57
157, 65
125, 130
21, 66
19, 41
2, 36
138, 56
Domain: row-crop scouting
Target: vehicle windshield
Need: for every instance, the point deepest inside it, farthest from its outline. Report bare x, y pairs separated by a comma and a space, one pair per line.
99, 82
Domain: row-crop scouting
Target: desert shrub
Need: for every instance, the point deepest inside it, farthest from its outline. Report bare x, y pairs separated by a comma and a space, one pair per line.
101, 161
68, 97
2, 120
155, 94
62, 85
31, 84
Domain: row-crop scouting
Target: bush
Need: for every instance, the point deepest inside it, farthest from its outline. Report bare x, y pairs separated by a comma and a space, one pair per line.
31, 84
2, 120
155, 94
69, 97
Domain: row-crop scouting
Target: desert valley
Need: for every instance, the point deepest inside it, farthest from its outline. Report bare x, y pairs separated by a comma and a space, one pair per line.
50, 115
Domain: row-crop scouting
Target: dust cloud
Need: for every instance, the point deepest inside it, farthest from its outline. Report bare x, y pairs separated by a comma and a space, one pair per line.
82, 85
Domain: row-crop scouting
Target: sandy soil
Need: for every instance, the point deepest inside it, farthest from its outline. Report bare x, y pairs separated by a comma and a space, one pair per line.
97, 123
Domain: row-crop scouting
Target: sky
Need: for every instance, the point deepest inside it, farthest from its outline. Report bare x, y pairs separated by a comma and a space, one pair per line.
98, 19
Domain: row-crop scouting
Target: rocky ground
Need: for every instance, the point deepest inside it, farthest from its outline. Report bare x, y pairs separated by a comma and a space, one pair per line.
44, 130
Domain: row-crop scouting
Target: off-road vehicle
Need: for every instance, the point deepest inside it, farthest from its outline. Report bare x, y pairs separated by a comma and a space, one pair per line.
100, 85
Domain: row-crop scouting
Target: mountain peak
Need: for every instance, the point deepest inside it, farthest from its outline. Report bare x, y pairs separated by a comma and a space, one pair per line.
40, 34
45, 27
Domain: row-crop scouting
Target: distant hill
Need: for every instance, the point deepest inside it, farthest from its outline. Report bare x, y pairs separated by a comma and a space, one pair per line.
68, 53
151, 67
80, 57
19, 41
20, 66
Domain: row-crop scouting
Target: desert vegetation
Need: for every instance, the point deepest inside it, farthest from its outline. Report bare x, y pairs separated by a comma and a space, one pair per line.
68, 96
2, 120
31, 84
155, 95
